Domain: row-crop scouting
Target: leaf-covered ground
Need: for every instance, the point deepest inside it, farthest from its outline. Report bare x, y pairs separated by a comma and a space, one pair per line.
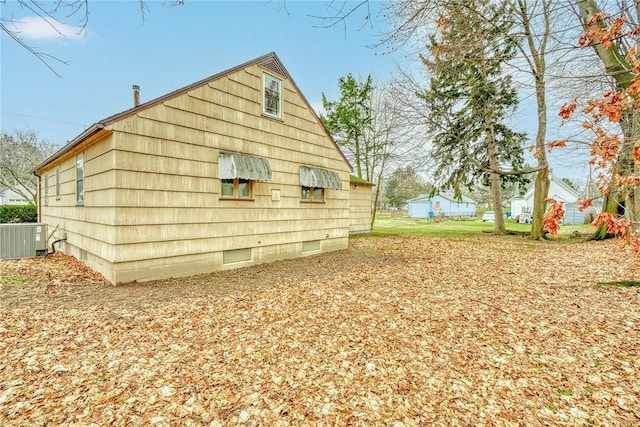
393, 331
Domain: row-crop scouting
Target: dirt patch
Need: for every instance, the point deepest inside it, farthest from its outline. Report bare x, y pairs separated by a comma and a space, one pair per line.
392, 331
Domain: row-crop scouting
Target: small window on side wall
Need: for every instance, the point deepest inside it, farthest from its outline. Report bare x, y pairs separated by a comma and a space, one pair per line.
272, 97
79, 179
236, 188
58, 183
46, 190
312, 194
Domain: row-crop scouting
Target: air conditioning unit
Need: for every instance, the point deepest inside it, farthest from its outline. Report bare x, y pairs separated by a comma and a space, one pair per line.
24, 240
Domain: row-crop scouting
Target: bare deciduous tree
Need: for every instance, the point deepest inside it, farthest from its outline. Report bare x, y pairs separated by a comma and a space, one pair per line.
20, 153
414, 21
389, 140
57, 15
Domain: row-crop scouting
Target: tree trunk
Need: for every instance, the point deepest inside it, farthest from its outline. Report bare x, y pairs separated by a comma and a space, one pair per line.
494, 180
623, 201
609, 204
383, 164
617, 202
541, 186
540, 191
616, 65
536, 58
358, 158
375, 201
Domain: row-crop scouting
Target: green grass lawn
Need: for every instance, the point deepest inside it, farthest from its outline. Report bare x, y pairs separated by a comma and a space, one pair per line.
386, 225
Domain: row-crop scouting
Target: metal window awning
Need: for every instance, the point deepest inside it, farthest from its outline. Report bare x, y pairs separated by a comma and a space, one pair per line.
243, 166
317, 177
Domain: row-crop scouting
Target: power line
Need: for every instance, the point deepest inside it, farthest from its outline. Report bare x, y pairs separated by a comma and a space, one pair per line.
43, 118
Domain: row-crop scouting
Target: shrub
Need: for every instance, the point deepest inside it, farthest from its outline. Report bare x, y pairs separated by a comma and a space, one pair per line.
18, 213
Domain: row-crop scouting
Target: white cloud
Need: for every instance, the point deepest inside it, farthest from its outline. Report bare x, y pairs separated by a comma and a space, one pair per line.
38, 28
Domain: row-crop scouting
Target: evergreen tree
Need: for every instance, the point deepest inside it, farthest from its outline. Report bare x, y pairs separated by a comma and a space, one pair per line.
469, 100
349, 118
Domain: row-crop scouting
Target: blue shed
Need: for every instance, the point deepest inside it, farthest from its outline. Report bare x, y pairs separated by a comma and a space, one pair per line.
442, 205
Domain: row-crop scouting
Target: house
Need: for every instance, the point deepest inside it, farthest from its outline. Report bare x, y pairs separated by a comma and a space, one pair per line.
558, 190
233, 170
441, 205
360, 205
11, 197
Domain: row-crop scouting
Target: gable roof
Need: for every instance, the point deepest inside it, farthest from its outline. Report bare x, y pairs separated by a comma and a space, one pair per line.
270, 62
557, 181
447, 196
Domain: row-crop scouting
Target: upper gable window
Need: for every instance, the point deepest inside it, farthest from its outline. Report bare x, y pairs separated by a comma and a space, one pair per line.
272, 97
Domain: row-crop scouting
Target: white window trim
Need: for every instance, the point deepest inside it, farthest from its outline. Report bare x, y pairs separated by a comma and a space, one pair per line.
264, 104
46, 190
58, 183
80, 157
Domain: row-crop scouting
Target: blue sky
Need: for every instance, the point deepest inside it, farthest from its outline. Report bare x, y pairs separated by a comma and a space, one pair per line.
173, 47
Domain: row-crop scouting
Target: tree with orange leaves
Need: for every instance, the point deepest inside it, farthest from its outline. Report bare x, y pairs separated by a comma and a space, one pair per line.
615, 154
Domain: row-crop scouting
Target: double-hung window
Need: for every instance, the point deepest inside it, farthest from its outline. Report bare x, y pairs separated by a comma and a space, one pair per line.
46, 190
238, 172
79, 179
58, 183
272, 96
315, 181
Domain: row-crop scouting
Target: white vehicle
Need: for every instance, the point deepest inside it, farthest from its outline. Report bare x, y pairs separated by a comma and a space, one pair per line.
524, 218
489, 216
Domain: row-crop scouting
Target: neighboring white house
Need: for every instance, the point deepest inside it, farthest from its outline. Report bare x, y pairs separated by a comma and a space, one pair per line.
558, 190
425, 206
10, 197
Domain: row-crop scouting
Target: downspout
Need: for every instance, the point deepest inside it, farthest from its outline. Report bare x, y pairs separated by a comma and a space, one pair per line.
38, 193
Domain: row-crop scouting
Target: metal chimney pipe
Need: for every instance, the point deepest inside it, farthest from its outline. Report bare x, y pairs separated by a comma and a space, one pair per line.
136, 95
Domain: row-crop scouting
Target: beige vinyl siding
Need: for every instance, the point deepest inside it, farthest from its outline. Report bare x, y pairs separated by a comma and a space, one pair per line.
201, 263
90, 228
360, 208
152, 204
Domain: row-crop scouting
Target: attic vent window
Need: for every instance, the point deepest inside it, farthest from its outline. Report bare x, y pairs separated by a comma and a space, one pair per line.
273, 66
272, 97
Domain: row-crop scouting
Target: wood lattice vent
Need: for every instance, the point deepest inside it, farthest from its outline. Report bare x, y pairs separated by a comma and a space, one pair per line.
274, 66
